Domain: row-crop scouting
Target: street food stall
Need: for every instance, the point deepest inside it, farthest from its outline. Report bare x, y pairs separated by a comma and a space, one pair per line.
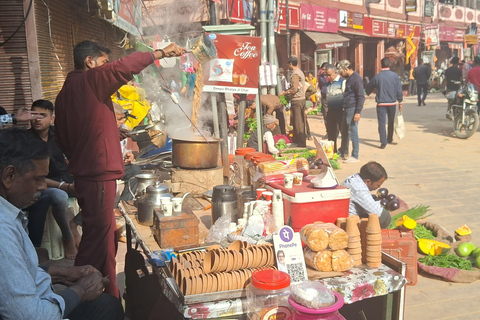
221, 279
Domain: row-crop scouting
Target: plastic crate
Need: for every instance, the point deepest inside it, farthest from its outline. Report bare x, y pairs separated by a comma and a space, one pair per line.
403, 246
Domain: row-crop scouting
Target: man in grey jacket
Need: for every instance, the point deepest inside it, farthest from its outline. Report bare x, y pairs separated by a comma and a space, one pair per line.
389, 91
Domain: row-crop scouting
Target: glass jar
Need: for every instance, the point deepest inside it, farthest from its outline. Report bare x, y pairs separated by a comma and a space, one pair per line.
267, 295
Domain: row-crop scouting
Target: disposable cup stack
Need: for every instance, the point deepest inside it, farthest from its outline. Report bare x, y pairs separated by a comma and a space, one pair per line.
354, 247
373, 242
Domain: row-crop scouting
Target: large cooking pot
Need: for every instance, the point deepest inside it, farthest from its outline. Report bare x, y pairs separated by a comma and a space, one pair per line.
196, 152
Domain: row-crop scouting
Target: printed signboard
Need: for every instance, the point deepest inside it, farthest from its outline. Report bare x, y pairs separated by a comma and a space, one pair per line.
236, 67
320, 19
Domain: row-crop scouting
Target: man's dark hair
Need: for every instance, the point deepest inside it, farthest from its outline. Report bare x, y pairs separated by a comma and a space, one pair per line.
19, 148
476, 60
385, 63
87, 48
454, 60
293, 60
44, 104
373, 171
2, 111
323, 64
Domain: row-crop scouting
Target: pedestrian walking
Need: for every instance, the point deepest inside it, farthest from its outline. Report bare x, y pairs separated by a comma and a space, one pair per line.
335, 89
422, 75
388, 92
322, 84
296, 94
452, 74
353, 100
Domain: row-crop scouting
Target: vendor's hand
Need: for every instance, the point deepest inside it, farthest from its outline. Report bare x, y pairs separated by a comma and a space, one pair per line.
129, 157
356, 117
23, 114
124, 133
90, 287
69, 275
400, 106
173, 50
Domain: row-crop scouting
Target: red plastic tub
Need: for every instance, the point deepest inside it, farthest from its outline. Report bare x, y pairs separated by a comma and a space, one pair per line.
305, 204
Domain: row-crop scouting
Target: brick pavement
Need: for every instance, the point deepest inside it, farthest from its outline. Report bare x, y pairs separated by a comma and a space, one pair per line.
429, 166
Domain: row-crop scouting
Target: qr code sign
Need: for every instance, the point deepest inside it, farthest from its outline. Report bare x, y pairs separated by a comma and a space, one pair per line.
296, 271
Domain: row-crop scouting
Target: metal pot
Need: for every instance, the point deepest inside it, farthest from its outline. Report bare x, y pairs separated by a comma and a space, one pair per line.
144, 180
151, 200
197, 153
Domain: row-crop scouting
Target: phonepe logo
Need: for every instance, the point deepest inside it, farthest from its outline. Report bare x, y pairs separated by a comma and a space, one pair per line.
286, 234
246, 51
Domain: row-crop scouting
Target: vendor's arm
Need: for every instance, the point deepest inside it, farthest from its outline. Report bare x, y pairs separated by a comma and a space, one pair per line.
268, 138
363, 199
108, 78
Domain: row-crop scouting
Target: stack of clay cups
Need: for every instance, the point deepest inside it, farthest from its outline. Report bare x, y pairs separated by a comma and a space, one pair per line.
374, 242
354, 247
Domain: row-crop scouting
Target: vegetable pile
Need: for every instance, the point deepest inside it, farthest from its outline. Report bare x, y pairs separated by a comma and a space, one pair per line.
446, 261
388, 201
415, 213
423, 233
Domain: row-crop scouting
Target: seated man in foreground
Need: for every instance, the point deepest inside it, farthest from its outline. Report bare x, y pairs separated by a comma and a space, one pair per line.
371, 177
26, 288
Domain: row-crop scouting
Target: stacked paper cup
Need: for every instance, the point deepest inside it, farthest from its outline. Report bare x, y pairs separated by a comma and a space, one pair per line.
374, 242
354, 247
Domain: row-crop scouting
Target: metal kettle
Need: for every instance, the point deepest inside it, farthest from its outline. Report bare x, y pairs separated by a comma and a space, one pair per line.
150, 200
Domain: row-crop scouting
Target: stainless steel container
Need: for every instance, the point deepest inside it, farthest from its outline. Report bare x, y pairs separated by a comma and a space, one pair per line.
151, 200
224, 201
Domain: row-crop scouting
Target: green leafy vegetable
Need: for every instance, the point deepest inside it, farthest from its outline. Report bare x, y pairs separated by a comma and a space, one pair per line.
334, 163
416, 213
281, 144
284, 100
447, 261
296, 150
423, 233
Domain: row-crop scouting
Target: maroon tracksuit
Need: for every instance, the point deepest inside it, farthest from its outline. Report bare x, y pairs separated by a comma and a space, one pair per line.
87, 133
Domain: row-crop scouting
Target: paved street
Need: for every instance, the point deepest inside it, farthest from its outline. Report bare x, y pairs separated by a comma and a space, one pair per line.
429, 166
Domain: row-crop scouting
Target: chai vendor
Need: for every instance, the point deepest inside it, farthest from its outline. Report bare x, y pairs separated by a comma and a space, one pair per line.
371, 177
269, 122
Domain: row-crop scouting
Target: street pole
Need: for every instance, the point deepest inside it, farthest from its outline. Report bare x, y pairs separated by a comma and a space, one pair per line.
287, 22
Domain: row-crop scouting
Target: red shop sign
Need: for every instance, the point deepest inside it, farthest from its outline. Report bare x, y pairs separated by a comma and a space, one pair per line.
241, 11
236, 67
447, 33
294, 16
459, 34
385, 29
319, 19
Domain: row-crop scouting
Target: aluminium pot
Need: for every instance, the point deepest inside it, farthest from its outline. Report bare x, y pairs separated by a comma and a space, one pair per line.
196, 152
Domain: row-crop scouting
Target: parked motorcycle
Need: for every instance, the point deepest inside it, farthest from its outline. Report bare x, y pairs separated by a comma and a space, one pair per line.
462, 109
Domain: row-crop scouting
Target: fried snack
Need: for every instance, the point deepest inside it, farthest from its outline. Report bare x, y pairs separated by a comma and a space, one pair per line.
341, 260
321, 261
319, 236
314, 237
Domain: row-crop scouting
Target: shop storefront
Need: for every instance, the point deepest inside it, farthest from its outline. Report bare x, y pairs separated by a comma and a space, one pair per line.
320, 39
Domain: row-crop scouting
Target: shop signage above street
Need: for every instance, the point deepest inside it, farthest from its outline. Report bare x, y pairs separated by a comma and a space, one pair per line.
471, 39
319, 19
429, 8
431, 35
410, 5
240, 11
384, 29
447, 33
294, 16
350, 20
236, 68
459, 34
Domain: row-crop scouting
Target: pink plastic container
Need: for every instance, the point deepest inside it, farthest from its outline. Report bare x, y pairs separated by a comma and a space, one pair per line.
328, 313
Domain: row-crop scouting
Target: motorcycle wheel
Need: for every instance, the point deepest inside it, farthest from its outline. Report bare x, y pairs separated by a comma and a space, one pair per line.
466, 130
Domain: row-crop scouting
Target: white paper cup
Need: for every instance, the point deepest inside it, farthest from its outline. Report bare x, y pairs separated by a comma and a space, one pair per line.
297, 178
177, 204
288, 180
167, 207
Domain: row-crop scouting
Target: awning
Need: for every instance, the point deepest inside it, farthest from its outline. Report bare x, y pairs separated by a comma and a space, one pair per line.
327, 40
355, 33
